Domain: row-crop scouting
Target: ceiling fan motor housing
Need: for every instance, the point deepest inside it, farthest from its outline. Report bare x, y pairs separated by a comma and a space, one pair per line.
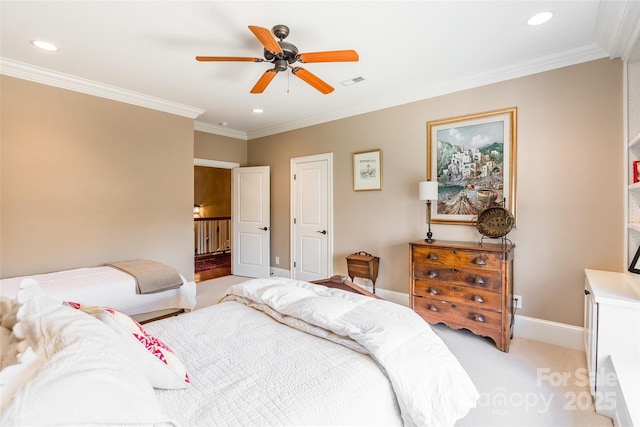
280, 64
289, 54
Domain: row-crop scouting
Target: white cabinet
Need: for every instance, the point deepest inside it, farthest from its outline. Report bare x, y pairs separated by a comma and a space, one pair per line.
612, 343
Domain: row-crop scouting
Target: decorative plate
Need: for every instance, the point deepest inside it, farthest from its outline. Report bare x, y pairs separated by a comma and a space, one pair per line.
495, 221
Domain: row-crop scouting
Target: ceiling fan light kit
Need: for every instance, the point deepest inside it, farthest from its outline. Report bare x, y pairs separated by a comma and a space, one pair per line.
282, 55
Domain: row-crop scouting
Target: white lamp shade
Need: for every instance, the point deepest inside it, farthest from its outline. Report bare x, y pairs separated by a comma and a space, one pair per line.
428, 190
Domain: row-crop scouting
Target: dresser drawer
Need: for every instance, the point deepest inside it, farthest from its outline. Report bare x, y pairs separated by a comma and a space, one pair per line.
434, 274
459, 257
474, 297
434, 310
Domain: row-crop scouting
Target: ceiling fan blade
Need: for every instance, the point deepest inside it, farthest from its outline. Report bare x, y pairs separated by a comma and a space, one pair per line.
312, 79
266, 38
329, 56
228, 58
264, 81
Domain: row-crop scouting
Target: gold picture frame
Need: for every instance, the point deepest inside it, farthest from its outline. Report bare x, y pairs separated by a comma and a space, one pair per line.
367, 170
473, 159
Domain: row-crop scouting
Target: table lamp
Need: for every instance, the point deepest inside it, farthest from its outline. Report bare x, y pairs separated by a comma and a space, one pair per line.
428, 190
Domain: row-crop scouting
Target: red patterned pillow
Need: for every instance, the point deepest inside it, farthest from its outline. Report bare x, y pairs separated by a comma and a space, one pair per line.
149, 354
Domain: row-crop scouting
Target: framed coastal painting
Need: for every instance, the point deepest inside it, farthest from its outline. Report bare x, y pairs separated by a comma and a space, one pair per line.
473, 159
367, 170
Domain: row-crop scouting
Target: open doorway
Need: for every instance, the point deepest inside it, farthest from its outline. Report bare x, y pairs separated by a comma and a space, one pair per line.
212, 222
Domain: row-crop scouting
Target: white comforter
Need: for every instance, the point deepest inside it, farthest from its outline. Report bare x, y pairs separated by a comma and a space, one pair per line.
430, 385
246, 369
107, 287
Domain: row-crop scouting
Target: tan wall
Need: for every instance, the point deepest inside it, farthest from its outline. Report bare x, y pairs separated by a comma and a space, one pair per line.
86, 180
212, 191
569, 182
215, 147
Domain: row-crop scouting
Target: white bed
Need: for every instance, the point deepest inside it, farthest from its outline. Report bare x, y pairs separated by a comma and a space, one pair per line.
273, 352
109, 287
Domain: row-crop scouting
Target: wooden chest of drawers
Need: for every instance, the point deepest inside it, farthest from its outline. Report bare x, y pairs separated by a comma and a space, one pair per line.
464, 285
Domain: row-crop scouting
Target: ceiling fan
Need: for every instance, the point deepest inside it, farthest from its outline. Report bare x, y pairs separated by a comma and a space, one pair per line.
283, 54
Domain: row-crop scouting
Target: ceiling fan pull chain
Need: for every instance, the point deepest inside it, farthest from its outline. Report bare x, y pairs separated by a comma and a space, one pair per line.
288, 77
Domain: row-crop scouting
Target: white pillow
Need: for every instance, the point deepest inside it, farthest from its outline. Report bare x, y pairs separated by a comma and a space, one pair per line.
149, 354
76, 371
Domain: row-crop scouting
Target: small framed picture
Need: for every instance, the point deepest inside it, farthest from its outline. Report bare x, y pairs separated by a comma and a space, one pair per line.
635, 264
367, 171
636, 171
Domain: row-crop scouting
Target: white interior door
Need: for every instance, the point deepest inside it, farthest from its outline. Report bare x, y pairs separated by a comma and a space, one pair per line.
312, 213
250, 225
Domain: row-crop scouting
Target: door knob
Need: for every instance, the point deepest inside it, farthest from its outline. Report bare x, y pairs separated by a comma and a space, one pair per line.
323, 232
263, 228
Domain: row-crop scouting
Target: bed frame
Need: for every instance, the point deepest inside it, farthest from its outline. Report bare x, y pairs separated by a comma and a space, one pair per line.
343, 282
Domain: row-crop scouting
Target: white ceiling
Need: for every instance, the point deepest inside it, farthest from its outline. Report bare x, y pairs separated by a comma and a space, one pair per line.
143, 52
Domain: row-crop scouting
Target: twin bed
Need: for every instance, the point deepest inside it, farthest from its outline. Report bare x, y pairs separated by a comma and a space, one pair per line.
271, 352
110, 287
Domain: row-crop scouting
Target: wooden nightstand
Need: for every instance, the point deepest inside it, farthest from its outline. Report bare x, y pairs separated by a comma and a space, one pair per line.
362, 264
464, 285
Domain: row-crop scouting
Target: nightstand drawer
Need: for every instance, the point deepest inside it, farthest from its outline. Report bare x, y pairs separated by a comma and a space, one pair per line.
459, 257
434, 310
485, 279
473, 297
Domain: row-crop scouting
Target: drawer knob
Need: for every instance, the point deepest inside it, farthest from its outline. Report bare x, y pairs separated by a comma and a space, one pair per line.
432, 255
478, 280
432, 274
432, 307
479, 261
478, 299
433, 291
479, 318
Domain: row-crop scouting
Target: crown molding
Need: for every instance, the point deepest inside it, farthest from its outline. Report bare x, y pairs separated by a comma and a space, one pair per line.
618, 28
220, 130
32, 73
525, 68
547, 63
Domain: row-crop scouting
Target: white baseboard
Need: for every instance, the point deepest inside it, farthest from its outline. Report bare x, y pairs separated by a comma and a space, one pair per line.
394, 296
549, 332
280, 272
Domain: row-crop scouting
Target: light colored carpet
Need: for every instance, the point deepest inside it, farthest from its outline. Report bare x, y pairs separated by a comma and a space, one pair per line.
535, 384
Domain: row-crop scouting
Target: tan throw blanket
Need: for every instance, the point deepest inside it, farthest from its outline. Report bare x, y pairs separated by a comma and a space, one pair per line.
150, 276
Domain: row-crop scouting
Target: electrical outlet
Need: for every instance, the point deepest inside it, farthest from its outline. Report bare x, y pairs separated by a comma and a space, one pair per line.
517, 301
277, 260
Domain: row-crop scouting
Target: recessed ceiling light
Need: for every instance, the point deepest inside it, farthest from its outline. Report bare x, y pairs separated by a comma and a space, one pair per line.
540, 18
257, 110
44, 45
